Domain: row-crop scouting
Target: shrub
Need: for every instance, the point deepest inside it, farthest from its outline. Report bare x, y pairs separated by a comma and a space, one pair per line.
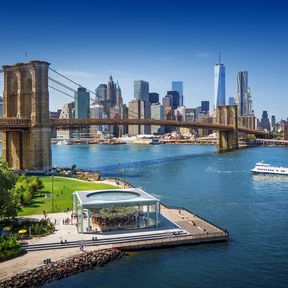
9, 247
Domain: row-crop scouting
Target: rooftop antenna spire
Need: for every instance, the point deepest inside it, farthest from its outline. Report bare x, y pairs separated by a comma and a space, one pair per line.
219, 56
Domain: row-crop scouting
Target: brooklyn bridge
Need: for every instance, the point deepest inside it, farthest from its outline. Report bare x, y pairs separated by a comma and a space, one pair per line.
26, 125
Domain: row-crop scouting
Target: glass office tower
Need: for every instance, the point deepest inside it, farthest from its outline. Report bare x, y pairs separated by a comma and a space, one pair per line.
219, 85
178, 86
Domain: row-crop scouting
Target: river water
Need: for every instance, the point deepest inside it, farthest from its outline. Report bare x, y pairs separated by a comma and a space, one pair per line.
218, 187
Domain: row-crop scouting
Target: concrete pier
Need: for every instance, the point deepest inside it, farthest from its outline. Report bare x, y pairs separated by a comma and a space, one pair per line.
192, 230
178, 227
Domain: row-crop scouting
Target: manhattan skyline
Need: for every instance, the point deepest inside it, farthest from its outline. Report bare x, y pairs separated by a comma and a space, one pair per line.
88, 42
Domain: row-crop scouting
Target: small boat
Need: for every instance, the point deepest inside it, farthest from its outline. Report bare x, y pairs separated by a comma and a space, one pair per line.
63, 142
263, 168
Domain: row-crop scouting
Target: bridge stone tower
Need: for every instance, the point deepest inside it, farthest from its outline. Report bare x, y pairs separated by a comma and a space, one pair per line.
26, 97
227, 139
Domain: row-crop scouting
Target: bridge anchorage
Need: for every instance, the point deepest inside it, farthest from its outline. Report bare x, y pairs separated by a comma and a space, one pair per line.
26, 125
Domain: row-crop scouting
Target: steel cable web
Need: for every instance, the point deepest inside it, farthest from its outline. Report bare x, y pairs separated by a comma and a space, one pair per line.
60, 87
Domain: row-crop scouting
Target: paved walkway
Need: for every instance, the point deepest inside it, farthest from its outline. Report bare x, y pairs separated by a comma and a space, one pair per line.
35, 259
174, 220
188, 221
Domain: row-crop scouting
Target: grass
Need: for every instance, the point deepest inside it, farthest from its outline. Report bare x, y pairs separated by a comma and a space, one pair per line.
63, 189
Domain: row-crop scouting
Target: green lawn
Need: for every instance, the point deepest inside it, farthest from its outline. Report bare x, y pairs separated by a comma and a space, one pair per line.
63, 189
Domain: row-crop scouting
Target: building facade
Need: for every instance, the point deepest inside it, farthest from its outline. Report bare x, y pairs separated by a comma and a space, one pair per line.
205, 105
141, 90
111, 92
219, 85
167, 101
67, 112
231, 101
285, 130
139, 109
178, 86
273, 122
157, 113
242, 92
97, 112
101, 93
265, 123
175, 98
82, 103
153, 97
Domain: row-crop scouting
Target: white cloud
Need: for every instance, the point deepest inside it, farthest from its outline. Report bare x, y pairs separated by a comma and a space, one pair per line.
167, 58
77, 73
119, 73
204, 55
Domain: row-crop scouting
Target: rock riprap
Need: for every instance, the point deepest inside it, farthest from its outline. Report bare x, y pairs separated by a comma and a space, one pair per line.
62, 268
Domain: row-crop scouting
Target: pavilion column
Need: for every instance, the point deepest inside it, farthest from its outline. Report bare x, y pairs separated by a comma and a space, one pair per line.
74, 203
156, 214
148, 215
81, 219
88, 214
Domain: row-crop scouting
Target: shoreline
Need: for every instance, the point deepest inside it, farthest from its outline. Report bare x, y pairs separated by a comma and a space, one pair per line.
62, 268
33, 260
181, 227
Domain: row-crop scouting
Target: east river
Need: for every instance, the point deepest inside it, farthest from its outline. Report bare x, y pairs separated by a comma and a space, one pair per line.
220, 188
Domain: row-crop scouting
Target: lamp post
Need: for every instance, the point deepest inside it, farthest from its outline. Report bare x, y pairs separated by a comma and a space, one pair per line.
52, 192
118, 174
124, 178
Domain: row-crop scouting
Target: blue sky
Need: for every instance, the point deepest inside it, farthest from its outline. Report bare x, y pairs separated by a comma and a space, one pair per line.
158, 41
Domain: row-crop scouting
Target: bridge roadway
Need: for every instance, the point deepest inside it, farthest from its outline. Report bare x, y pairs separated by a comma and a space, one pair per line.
24, 124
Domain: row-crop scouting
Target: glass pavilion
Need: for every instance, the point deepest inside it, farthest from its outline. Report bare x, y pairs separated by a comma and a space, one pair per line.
117, 209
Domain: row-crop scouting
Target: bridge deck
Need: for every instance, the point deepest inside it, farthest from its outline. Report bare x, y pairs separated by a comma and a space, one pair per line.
20, 124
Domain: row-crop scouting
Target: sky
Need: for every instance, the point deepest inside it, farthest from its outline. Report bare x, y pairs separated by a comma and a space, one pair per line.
157, 41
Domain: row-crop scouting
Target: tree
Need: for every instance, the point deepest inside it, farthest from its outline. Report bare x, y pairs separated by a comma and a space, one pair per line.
8, 205
73, 169
26, 188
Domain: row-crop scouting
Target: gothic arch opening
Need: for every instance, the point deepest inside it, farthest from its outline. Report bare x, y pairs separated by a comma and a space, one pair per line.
26, 98
12, 97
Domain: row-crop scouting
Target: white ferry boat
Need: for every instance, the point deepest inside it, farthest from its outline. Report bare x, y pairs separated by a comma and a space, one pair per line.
262, 168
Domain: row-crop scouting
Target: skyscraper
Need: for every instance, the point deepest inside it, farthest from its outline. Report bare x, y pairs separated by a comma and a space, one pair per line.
157, 112
176, 98
273, 122
139, 109
178, 86
219, 84
231, 101
167, 101
111, 92
265, 123
250, 110
101, 93
82, 103
97, 112
153, 98
141, 90
242, 92
119, 101
205, 106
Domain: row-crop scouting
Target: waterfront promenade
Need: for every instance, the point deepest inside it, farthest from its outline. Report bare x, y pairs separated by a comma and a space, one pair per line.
179, 227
